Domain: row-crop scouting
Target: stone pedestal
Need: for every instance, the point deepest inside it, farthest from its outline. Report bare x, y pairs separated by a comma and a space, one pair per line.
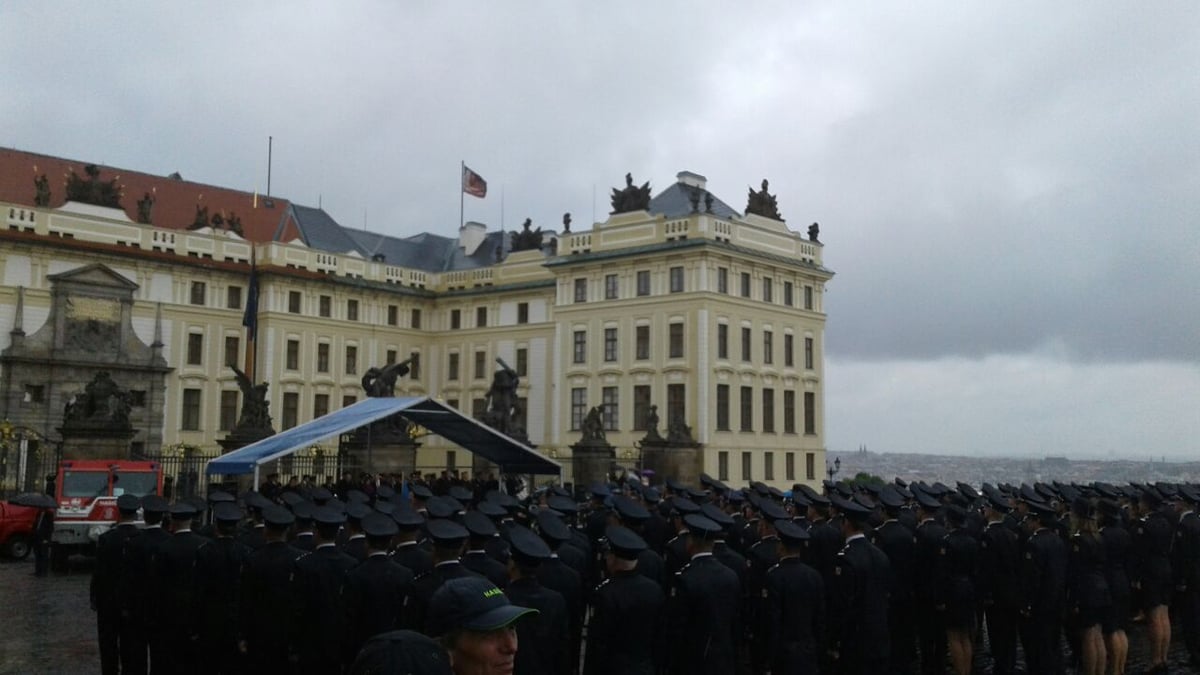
591, 461
382, 451
98, 443
241, 437
667, 459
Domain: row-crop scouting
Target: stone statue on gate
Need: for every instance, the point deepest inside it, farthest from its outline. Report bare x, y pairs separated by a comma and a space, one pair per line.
381, 382
502, 404
593, 425
652, 425
255, 406
102, 404
679, 432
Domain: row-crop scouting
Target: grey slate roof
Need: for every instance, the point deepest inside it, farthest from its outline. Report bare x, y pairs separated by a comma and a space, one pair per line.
322, 232
425, 251
436, 253
675, 202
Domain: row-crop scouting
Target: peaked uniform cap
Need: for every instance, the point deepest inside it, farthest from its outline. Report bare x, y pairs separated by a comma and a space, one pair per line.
471, 603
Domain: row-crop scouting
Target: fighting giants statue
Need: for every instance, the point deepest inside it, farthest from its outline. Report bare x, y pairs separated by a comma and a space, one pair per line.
101, 405
381, 382
502, 405
593, 426
255, 406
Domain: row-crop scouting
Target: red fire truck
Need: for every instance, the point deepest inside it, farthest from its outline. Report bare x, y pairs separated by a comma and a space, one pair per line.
86, 491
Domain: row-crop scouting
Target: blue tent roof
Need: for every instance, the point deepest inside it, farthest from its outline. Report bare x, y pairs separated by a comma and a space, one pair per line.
439, 418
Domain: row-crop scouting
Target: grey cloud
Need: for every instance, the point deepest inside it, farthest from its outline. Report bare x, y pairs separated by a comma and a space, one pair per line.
989, 179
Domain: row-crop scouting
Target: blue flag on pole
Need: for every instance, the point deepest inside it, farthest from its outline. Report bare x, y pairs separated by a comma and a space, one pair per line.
250, 317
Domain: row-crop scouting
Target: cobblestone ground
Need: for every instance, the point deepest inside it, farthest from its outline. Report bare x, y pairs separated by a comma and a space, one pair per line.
46, 626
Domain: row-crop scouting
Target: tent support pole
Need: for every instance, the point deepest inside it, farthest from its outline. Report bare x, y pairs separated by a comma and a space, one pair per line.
255, 486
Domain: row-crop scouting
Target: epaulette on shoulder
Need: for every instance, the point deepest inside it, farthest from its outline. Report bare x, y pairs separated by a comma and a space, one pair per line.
422, 575
683, 569
601, 585
672, 540
773, 568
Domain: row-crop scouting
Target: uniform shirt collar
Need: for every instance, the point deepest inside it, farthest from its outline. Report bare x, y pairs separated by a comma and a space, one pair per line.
702, 554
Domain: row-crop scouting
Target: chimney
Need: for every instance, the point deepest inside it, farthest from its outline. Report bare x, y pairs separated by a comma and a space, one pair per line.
693, 179
470, 236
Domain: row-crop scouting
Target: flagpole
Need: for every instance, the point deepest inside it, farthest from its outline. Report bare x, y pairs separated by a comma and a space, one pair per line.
462, 170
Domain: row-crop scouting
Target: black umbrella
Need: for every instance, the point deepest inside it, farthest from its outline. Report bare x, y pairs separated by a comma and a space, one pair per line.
35, 500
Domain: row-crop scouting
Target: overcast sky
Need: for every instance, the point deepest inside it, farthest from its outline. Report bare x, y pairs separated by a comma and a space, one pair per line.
1008, 192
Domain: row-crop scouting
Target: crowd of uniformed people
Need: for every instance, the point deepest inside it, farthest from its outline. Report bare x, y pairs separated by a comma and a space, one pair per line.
664, 580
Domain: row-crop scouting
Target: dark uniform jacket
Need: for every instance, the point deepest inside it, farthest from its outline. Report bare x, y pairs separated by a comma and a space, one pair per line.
486, 566
1044, 575
171, 614
859, 607
626, 630
544, 648
374, 598
416, 559
267, 605
927, 547
704, 615
425, 585
136, 571
896, 542
317, 588
793, 617
218, 576
999, 563
110, 557
172, 583
824, 542
558, 576
356, 547
733, 560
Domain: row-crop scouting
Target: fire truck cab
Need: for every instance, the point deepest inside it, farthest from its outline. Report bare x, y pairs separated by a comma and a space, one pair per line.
87, 491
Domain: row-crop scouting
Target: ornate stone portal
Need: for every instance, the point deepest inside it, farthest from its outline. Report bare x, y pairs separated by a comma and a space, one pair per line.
85, 374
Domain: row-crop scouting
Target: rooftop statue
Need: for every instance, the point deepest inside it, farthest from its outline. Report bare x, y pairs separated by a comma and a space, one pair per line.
762, 203
632, 198
527, 239
41, 190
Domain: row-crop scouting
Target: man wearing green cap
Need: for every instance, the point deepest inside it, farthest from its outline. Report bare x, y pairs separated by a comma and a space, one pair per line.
474, 621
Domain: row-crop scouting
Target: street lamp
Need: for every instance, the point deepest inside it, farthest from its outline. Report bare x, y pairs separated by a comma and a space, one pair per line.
833, 470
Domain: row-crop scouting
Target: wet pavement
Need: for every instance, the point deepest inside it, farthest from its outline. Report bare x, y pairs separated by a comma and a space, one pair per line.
46, 626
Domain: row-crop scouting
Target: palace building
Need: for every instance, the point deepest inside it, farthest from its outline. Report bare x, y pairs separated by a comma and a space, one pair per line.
713, 316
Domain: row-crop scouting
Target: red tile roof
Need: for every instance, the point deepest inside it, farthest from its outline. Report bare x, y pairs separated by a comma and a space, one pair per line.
175, 200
